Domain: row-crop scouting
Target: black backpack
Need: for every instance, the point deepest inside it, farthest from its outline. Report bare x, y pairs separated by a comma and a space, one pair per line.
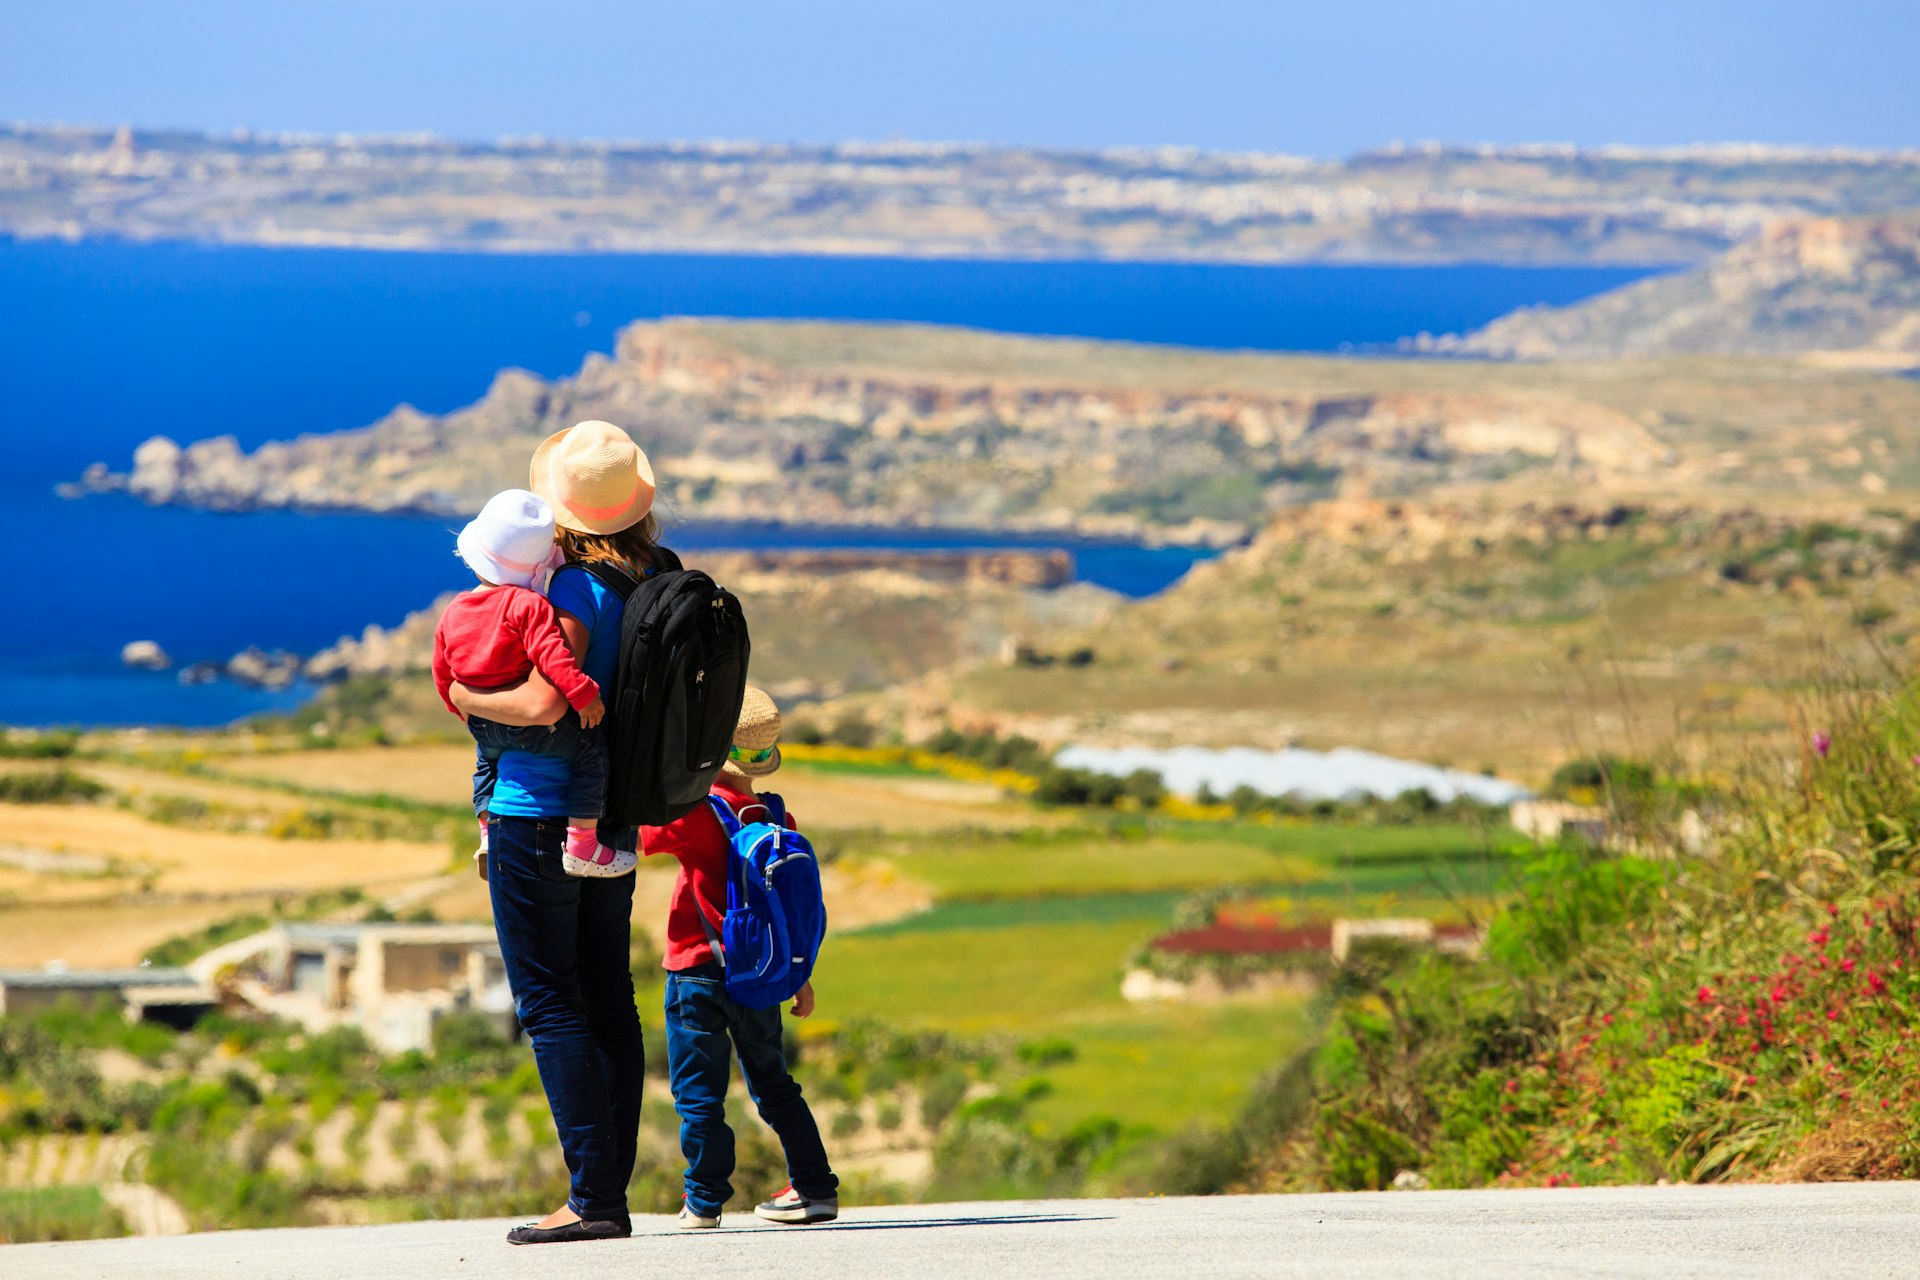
676, 693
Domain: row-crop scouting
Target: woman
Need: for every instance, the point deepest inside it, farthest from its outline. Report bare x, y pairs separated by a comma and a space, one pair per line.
566, 940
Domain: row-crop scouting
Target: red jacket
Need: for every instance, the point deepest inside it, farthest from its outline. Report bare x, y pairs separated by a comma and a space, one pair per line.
698, 841
486, 639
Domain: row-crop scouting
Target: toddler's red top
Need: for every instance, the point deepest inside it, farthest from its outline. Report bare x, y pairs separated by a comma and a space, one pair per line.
696, 838
495, 637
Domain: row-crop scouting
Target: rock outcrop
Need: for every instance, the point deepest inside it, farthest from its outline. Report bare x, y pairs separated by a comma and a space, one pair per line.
1815, 285
828, 621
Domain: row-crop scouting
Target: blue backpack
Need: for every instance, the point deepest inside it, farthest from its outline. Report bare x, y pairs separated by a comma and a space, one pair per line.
776, 918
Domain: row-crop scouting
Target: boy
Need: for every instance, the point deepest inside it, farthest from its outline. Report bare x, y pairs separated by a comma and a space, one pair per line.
703, 1026
495, 635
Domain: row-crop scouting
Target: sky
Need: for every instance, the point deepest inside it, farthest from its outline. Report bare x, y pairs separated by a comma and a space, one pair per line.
1271, 75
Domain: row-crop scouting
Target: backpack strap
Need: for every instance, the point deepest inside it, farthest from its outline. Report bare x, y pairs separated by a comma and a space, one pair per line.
730, 825
776, 807
616, 578
729, 821
620, 580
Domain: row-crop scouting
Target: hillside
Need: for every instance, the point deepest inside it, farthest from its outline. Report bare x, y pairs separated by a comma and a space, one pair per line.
1470, 633
906, 425
1818, 285
1421, 204
825, 624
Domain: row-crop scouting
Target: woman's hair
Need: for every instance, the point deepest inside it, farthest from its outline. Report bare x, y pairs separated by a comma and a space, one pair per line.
636, 546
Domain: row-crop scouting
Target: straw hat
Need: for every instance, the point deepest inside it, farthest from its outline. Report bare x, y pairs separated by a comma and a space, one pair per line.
595, 476
510, 543
758, 731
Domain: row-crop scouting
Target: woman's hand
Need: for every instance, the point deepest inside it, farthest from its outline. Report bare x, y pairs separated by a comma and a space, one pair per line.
532, 701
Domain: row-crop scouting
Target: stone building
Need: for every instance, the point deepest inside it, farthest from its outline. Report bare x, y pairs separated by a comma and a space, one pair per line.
393, 981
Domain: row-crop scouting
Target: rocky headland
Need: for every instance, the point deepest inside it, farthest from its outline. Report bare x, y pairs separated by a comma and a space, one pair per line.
1822, 286
907, 426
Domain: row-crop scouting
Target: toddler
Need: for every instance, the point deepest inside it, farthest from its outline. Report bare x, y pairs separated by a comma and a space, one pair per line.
493, 636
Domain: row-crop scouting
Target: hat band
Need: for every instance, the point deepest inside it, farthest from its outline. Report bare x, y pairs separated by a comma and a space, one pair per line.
518, 566
605, 513
738, 756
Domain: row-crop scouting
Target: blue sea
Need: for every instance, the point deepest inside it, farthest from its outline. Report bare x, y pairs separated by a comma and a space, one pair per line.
104, 344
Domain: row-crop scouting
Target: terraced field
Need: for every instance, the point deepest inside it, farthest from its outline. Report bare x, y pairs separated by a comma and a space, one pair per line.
962, 909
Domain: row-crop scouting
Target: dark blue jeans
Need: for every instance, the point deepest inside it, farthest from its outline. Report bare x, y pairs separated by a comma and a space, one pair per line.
584, 750
703, 1026
566, 941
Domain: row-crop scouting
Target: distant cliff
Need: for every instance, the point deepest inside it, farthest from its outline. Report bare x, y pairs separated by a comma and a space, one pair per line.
1425, 204
920, 426
1822, 284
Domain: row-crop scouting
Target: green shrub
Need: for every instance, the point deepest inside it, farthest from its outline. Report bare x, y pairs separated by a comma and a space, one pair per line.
940, 1095
61, 786
57, 1213
37, 744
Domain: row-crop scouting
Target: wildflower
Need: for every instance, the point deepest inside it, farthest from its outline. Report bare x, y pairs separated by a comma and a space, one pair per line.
1846, 966
1740, 1021
1833, 908
1875, 983
1513, 1086
1821, 743
1704, 995
1751, 1080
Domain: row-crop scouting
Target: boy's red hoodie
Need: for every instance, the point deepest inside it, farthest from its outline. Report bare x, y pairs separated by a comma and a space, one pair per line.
696, 838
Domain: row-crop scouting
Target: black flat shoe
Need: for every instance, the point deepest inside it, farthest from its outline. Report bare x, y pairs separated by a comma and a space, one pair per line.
583, 1229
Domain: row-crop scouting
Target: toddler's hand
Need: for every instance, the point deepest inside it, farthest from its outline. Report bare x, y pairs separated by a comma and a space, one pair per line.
593, 713
803, 1002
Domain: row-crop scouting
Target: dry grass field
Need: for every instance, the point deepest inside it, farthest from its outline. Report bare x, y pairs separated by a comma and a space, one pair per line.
176, 860
438, 773
104, 933
102, 883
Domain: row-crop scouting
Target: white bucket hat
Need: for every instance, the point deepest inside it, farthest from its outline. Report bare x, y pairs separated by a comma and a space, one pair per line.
510, 543
596, 477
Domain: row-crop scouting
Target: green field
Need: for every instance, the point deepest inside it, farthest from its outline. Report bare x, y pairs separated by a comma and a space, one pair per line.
1170, 1067
1089, 860
1022, 978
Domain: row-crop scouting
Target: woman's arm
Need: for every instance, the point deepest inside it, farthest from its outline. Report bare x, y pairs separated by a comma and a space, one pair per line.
532, 701
575, 631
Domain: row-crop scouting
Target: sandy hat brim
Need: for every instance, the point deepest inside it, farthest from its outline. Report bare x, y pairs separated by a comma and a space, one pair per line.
543, 481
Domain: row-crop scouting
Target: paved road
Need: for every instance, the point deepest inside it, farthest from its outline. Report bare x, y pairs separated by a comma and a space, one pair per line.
1799, 1232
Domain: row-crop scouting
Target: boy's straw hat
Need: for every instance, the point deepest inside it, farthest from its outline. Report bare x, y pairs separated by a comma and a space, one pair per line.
595, 476
511, 541
757, 731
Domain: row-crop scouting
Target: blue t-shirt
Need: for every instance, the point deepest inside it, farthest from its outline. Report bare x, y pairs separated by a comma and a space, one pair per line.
532, 786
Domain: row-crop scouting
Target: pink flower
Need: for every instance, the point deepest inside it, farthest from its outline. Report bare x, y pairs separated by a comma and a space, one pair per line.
1821, 743
1704, 995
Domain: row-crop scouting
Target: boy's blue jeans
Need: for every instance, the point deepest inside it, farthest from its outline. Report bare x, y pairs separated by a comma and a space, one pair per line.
703, 1027
584, 750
